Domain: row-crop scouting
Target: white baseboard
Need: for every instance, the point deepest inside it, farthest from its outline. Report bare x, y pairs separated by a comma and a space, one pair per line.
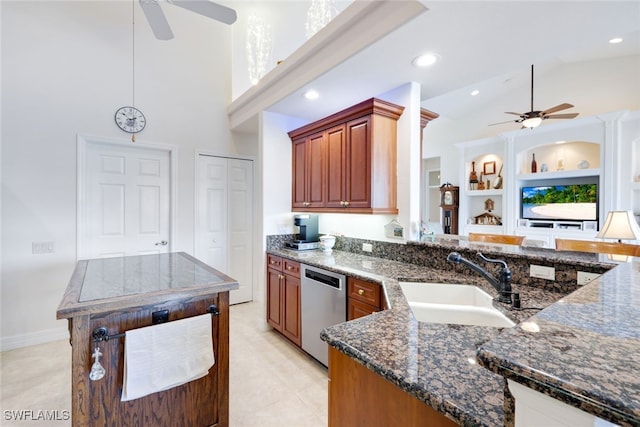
34, 338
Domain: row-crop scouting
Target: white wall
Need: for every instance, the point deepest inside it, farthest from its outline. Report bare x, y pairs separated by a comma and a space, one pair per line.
286, 18
66, 68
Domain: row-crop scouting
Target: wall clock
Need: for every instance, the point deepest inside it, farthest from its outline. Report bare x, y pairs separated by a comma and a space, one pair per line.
130, 119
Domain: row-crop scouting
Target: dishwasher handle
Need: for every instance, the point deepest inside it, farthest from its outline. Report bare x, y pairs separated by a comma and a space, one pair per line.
325, 279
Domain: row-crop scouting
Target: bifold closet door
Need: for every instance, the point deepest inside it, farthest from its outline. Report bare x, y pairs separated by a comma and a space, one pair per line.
224, 220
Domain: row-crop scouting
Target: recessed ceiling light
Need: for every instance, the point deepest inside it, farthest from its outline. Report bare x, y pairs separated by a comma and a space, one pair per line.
311, 94
615, 40
475, 92
425, 60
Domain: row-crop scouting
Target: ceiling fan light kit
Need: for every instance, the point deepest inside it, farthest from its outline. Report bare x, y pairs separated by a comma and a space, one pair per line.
532, 122
533, 118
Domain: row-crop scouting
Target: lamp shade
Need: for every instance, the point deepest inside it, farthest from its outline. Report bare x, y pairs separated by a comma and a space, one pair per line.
620, 225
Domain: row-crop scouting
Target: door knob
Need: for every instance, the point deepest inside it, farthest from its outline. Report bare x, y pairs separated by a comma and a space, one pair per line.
162, 243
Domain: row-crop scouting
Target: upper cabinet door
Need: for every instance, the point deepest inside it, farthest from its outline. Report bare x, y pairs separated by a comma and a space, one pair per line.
358, 164
315, 176
299, 166
336, 141
309, 172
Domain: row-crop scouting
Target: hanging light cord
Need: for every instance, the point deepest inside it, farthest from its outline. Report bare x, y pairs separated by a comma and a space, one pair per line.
133, 59
133, 52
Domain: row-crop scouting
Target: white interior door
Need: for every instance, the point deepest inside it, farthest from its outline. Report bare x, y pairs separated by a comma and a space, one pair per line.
126, 201
241, 228
224, 223
212, 213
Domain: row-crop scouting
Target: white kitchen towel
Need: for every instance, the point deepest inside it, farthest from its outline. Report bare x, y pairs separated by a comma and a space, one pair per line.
166, 355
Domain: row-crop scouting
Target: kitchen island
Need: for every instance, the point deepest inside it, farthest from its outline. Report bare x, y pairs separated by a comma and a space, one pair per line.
436, 363
114, 295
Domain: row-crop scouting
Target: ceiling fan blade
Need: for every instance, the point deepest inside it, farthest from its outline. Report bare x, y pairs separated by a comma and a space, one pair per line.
557, 108
501, 123
515, 114
209, 9
157, 20
562, 116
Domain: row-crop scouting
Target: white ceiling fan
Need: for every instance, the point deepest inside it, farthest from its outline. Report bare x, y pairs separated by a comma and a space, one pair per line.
160, 26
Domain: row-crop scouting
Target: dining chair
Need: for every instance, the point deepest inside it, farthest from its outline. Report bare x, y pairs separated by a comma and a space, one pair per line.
496, 238
592, 246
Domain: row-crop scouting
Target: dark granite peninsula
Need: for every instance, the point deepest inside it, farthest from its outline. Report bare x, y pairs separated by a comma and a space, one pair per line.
583, 350
130, 293
437, 363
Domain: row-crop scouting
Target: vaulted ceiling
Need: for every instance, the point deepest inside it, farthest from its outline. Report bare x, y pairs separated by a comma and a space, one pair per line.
483, 45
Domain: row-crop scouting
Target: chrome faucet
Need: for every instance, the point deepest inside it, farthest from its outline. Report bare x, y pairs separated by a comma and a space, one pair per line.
502, 284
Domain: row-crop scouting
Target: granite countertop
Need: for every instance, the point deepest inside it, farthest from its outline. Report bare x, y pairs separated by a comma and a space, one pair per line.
107, 284
584, 350
436, 363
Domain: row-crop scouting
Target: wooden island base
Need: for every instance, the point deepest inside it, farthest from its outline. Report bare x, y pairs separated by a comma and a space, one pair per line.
122, 294
359, 397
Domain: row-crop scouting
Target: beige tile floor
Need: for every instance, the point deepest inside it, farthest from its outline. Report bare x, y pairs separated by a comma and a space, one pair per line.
272, 383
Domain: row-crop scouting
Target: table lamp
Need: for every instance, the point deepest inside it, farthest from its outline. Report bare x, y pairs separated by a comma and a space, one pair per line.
620, 225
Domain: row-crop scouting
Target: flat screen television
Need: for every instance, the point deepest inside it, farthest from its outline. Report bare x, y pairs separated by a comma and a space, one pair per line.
571, 202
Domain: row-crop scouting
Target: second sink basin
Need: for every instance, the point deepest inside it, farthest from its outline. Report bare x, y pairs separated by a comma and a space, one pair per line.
451, 303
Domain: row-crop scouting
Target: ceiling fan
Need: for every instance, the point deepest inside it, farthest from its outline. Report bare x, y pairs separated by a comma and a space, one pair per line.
533, 118
160, 26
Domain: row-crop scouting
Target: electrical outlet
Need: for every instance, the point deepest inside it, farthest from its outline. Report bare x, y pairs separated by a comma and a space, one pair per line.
42, 247
367, 247
542, 272
584, 277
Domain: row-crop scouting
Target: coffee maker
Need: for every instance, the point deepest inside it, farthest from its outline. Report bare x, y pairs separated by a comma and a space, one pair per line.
307, 237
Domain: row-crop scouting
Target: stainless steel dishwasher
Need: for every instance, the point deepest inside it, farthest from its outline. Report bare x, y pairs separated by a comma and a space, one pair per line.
324, 303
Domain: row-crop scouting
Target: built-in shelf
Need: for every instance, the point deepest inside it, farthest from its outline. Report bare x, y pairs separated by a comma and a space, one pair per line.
575, 173
493, 192
482, 226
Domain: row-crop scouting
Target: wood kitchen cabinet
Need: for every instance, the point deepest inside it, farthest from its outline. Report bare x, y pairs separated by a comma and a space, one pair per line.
283, 297
347, 162
95, 300
309, 171
363, 298
360, 397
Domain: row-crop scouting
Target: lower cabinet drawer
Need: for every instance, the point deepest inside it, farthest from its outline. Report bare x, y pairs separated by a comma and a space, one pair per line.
291, 267
274, 261
357, 309
366, 292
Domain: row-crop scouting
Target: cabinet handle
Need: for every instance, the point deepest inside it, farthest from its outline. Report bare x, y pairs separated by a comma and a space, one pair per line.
341, 203
289, 268
346, 204
360, 291
273, 262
